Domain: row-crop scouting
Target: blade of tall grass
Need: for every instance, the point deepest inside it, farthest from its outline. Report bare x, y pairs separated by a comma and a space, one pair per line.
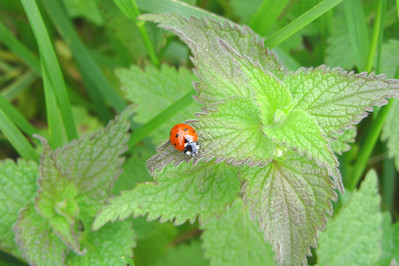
130, 10
16, 117
173, 6
16, 138
266, 15
301, 22
19, 49
52, 68
83, 59
357, 28
19, 85
56, 132
380, 34
377, 32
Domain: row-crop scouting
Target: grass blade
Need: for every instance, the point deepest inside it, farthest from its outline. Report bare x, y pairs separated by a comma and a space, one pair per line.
51, 66
16, 117
83, 59
376, 35
301, 22
21, 84
19, 49
56, 132
367, 148
16, 138
266, 15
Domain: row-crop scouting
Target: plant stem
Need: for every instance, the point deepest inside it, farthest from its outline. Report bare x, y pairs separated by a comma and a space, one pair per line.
377, 35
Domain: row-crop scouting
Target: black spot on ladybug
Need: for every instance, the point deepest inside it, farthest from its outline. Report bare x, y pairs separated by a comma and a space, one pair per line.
186, 129
174, 144
177, 135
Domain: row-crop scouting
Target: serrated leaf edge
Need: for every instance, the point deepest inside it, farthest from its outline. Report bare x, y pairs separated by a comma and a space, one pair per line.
347, 74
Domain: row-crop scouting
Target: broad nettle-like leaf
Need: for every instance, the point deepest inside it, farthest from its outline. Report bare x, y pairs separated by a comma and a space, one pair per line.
294, 128
162, 88
234, 239
75, 180
390, 241
218, 78
390, 132
358, 226
290, 199
180, 194
338, 99
258, 114
56, 201
18, 185
93, 162
111, 245
341, 141
35, 237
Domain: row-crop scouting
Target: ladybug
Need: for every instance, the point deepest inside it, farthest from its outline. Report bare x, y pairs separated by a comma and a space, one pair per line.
184, 138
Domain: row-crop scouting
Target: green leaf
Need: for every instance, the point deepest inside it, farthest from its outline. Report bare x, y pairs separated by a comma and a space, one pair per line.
390, 132
218, 78
163, 88
36, 239
358, 226
336, 98
271, 94
180, 194
300, 131
290, 199
339, 52
134, 170
390, 58
153, 240
17, 188
111, 245
390, 241
93, 162
341, 142
234, 239
56, 200
231, 132
184, 254
87, 9
358, 32
125, 31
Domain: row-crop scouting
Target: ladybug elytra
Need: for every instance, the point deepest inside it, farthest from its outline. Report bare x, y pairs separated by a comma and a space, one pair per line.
184, 138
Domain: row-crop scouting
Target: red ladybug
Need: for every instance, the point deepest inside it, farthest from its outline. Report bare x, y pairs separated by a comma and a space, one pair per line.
184, 138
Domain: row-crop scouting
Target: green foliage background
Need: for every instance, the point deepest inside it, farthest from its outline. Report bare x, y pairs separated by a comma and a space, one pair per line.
69, 67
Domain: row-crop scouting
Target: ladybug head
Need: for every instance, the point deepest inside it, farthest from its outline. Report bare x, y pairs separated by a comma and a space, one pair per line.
191, 148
